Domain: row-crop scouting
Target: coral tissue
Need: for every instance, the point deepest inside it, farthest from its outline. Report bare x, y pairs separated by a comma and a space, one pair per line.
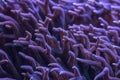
59, 40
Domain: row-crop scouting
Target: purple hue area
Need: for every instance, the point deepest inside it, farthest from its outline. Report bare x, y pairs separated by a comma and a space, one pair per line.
59, 40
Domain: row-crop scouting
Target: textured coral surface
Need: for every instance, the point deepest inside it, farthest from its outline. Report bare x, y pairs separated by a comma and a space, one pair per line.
59, 40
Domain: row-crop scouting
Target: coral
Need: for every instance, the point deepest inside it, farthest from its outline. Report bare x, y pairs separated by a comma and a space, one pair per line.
59, 40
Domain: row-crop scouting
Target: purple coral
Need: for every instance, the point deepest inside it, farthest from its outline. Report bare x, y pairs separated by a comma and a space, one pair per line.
59, 40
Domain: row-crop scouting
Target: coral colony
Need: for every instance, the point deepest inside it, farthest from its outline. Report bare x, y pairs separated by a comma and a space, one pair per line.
59, 40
